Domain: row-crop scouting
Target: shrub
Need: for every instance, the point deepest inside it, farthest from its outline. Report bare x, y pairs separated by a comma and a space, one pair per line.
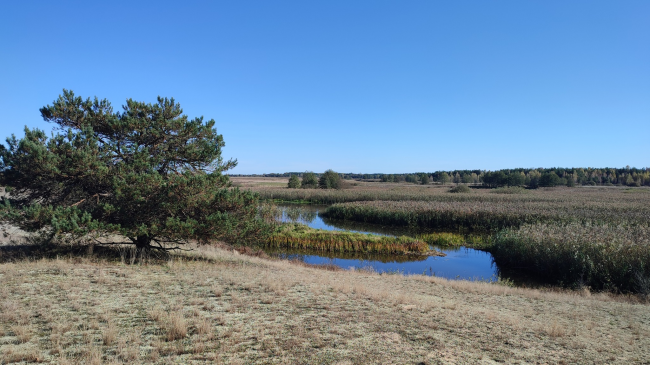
329, 180
309, 180
294, 183
460, 189
424, 179
549, 179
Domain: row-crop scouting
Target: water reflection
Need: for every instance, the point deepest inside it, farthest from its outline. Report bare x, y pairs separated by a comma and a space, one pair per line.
298, 214
460, 263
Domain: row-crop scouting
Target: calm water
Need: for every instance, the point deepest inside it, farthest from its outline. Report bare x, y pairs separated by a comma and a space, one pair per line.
462, 263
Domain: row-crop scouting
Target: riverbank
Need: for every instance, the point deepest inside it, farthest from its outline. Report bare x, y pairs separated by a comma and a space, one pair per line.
213, 305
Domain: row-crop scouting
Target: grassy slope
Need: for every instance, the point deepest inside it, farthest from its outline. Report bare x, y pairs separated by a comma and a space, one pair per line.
237, 309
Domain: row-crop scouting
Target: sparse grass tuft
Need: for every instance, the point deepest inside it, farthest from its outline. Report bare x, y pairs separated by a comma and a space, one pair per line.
110, 334
22, 332
175, 326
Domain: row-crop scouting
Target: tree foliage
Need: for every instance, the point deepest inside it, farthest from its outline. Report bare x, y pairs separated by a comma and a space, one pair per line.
294, 182
147, 173
549, 179
424, 179
309, 180
329, 180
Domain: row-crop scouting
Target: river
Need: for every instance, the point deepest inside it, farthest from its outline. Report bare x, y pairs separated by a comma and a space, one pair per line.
460, 263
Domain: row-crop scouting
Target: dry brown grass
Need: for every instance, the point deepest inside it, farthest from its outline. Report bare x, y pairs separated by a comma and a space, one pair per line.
175, 326
216, 306
110, 334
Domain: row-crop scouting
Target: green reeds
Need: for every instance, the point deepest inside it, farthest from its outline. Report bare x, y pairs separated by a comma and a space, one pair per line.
447, 239
443, 239
611, 257
302, 237
488, 216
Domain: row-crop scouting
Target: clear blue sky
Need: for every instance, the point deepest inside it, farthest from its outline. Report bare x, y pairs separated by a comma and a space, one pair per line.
356, 86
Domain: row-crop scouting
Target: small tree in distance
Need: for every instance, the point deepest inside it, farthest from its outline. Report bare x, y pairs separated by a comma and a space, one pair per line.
549, 179
424, 179
444, 178
147, 173
309, 180
329, 180
294, 182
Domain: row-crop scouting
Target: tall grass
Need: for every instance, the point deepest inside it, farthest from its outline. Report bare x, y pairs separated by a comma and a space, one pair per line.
391, 192
302, 237
448, 239
613, 257
484, 215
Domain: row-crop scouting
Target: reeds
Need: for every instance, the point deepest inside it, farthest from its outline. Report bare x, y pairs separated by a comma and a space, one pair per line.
443, 239
302, 237
489, 216
611, 257
447, 239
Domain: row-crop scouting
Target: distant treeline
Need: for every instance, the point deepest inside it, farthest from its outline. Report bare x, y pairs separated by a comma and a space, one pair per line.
532, 177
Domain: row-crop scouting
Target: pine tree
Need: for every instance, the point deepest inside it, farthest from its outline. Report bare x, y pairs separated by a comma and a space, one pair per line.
147, 173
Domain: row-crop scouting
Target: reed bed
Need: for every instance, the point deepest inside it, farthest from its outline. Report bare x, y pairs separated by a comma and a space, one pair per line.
610, 257
295, 236
448, 239
489, 216
410, 192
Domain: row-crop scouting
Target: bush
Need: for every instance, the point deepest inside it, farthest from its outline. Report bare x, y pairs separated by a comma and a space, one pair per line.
549, 179
424, 179
294, 183
329, 180
309, 181
460, 189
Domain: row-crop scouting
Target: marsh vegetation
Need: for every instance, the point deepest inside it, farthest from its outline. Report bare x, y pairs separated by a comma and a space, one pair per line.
574, 237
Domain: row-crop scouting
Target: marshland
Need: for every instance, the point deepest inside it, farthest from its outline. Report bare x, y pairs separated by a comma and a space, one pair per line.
572, 237
346, 182
413, 273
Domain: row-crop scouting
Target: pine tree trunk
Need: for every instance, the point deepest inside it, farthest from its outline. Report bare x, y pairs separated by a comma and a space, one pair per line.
142, 244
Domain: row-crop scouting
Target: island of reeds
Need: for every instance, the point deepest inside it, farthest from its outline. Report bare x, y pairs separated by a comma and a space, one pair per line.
298, 236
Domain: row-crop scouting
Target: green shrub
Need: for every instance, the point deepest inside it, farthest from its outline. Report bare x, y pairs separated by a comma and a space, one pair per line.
309, 181
460, 189
549, 179
294, 182
329, 180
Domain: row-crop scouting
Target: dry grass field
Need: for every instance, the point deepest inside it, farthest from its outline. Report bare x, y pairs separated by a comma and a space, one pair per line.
214, 305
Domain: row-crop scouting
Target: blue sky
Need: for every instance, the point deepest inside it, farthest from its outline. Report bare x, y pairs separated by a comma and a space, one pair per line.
356, 86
